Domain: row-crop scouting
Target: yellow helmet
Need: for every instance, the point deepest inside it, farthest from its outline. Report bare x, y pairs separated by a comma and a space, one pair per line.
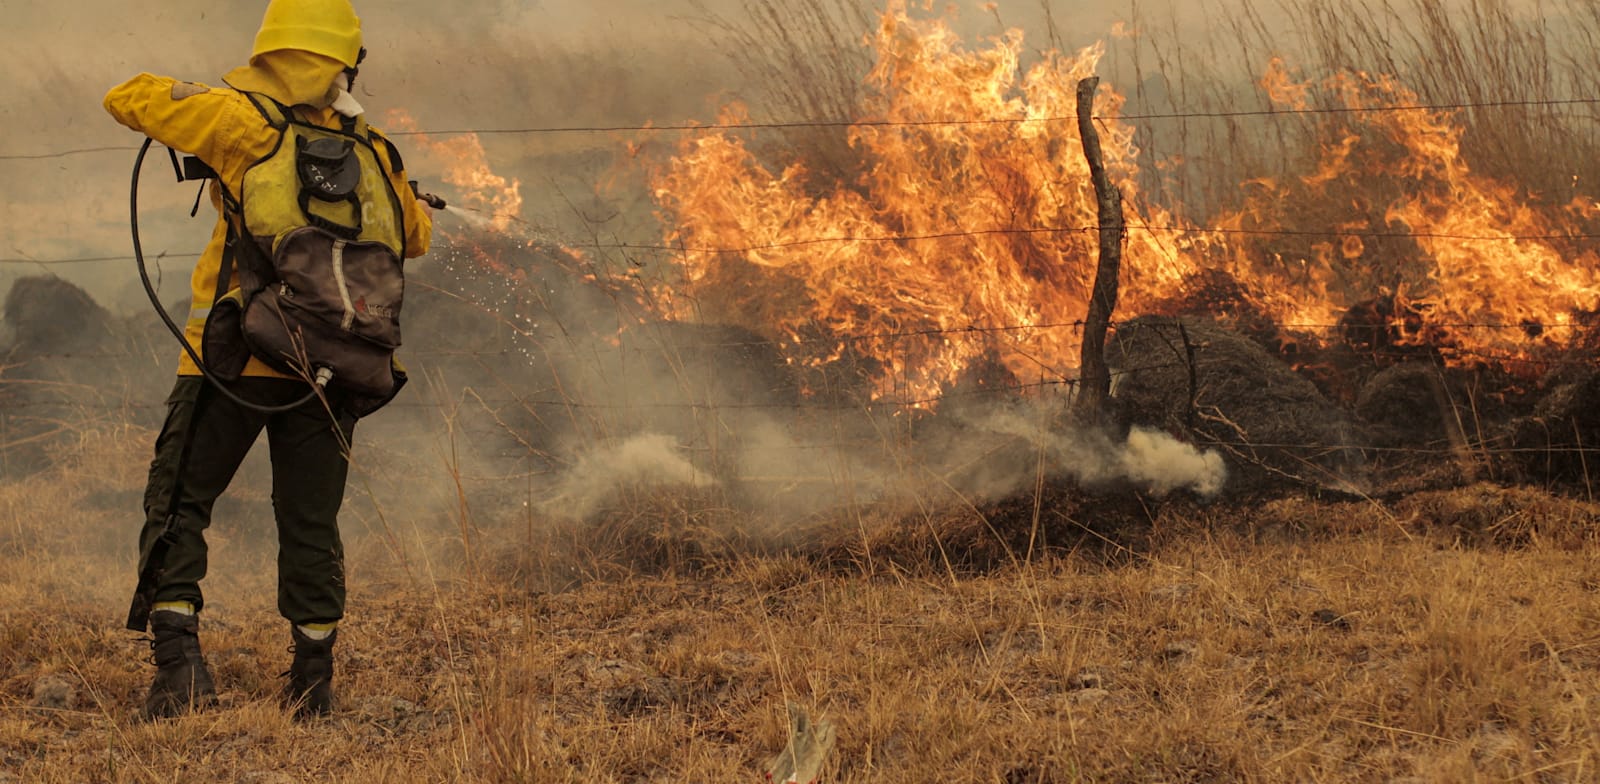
327, 27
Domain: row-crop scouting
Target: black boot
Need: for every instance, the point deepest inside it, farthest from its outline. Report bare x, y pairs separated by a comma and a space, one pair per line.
182, 682
310, 688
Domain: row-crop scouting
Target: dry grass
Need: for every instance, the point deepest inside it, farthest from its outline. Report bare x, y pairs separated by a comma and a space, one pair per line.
1449, 638
1482, 53
808, 60
1291, 641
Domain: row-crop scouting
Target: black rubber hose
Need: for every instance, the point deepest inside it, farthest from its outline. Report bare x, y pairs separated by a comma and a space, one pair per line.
161, 310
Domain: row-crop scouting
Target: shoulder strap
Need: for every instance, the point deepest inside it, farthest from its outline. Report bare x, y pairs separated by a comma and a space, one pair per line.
238, 251
230, 249
395, 162
273, 112
278, 116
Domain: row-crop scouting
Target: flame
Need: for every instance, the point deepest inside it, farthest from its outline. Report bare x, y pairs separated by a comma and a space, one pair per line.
510, 266
953, 242
964, 235
1478, 262
466, 166
491, 202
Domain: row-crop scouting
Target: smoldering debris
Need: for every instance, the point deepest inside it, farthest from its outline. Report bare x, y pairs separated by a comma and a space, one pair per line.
1553, 443
1335, 421
1224, 390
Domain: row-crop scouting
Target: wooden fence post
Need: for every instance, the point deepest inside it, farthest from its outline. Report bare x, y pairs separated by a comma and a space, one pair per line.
1094, 377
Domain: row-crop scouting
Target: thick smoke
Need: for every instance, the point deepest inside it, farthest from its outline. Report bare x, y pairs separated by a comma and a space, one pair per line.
1164, 464
612, 404
786, 477
1007, 446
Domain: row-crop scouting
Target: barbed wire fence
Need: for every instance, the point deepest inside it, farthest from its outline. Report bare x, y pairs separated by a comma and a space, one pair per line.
1276, 113
541, 399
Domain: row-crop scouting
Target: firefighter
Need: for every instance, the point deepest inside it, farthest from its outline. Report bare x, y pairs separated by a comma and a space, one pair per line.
303, 62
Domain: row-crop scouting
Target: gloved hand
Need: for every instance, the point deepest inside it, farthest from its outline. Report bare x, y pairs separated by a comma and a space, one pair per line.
426, 198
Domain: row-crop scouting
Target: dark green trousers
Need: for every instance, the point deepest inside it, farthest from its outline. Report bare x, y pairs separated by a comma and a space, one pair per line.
205, 438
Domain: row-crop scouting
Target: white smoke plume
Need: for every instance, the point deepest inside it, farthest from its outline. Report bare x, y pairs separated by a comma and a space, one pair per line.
1163, 464
786, 475
642, 461
1021, 441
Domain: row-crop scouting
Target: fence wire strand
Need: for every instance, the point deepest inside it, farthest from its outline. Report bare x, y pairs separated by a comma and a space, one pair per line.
832, 123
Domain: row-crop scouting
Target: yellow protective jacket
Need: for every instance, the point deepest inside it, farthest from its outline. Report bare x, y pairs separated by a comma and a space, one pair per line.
224, 129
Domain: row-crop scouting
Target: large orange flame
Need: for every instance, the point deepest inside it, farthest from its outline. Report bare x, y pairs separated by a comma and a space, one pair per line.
1482, 269
973, 211
967, 230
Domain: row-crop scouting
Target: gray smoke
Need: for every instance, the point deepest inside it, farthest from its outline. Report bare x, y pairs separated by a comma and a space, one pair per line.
785, 466
1164, 464
638, 463
1005, 447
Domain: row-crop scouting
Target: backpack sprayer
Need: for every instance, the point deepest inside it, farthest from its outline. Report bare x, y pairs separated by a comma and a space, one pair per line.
192, 168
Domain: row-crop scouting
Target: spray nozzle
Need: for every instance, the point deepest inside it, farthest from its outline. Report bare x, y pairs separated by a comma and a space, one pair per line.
431, 200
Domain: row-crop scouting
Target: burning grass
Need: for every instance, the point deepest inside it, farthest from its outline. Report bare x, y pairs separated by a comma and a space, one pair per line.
1386, 173
652, 624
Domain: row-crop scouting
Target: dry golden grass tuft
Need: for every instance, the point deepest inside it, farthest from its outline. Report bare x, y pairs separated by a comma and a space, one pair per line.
1509, 516
1449, 638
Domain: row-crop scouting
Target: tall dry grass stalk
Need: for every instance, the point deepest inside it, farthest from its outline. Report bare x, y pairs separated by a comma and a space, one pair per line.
807, 60
1449, 52
810, 60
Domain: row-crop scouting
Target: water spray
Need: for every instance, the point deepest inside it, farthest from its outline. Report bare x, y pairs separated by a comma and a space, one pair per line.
467, 215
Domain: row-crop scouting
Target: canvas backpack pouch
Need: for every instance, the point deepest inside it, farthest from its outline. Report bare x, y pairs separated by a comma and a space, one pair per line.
281, 332
357, 287
334, 302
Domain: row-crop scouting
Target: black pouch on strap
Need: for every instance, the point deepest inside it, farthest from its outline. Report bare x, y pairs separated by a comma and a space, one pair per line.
222, 343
